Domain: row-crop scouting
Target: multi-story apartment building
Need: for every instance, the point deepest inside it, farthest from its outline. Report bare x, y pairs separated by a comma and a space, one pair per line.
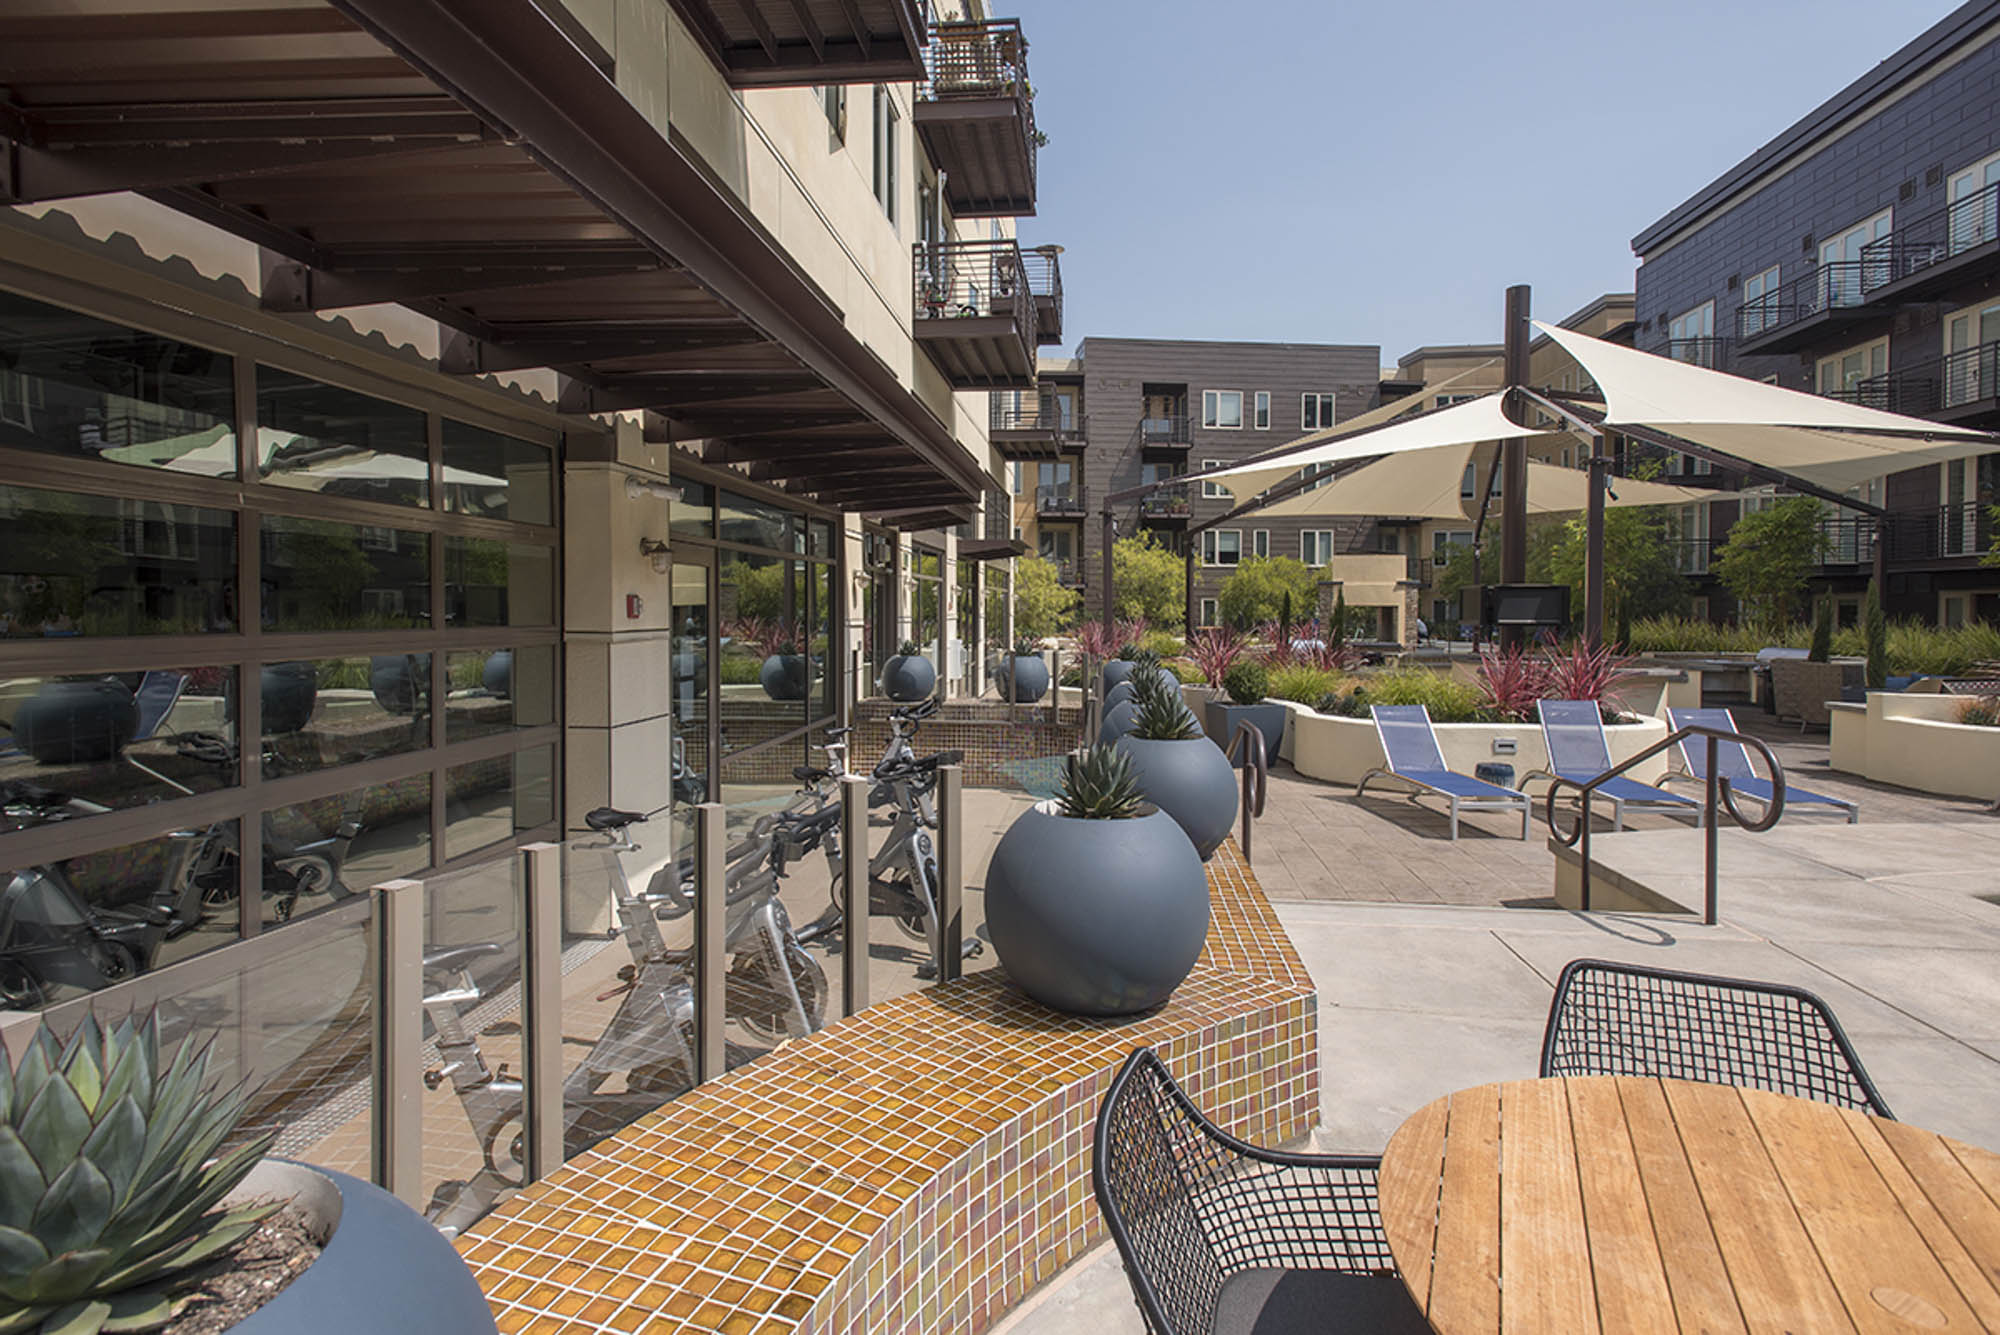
482, 382
1127, 412
1857, 254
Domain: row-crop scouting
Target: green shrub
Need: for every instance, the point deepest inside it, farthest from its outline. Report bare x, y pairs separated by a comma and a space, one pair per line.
740, 671
1822, 635
1981, 711
1301, 685
1163, 642
1447, 699
1246, 682
1687, 635
1184, 672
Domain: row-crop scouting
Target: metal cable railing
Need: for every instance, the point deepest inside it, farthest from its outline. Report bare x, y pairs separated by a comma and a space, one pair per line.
1256, 762
1718, 798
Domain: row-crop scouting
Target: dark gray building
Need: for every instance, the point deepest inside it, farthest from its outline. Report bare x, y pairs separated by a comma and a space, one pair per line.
1130, 411
1857, 255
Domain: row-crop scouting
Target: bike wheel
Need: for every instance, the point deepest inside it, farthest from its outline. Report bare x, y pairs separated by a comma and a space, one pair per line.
506, 1151
20, 990
117, 962
764, 1009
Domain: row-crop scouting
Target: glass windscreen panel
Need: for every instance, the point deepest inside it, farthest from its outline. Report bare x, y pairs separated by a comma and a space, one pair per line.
321, 438
321, 575
327, 851
487, 802
319, 713
75, 564
488, 582
496, 476
80, 387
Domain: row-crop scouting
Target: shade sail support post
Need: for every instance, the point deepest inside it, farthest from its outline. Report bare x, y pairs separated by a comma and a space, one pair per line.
1593, 543
1514, 460
1110, 538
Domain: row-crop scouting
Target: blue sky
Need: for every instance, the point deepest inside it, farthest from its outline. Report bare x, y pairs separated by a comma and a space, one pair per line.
1323, 171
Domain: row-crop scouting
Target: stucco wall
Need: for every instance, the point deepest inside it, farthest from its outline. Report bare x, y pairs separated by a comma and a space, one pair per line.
1342, 750
1916, 741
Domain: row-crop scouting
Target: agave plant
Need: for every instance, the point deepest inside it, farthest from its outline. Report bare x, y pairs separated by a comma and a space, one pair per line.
1510, 682
1160, 715
1100, 786
1215, 651
109, 1182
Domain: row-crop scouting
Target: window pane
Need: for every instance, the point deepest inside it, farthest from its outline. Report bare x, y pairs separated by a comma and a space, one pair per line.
72, 564
758, 524
320, 575
1230, 409
694, 513
74, 385
486, 473
488, 582
321, 853
497, 690
765, 672
319, 713
333, 441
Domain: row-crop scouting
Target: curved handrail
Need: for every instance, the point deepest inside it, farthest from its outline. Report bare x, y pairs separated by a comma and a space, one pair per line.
1720, 797
1255, 758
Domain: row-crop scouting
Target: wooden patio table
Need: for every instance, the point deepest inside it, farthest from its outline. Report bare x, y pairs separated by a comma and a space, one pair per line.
1635, 1204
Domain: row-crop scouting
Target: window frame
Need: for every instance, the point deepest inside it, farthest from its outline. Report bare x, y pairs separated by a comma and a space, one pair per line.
1211, 547
1260, 412
1210, 611
1316, 536
1211, 410
1260, 542
1325, 410
1213, 491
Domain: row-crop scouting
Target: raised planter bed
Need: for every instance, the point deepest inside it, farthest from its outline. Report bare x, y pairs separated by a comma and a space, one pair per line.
1916, 741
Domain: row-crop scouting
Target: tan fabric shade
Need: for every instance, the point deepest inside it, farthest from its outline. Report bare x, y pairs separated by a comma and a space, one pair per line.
1821, 440
1427, 485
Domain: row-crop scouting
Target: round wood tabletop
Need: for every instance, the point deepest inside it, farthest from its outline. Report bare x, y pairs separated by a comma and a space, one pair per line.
1632, 1204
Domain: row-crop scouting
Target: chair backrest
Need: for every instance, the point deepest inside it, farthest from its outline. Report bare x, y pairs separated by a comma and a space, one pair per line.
1573, 731
1626, 1019
1732, 759
1407, 738
156, 697
1150, 1149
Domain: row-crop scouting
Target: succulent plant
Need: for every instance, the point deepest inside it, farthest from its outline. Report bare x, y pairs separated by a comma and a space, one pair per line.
908, 649
1024, 649
1161, 715
1100, 786
108, 1195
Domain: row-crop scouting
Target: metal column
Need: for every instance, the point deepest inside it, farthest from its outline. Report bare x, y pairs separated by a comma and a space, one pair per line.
1514, 462
541, 1007
951, 872
397, 1127
854, 889
1593, 544
711, 939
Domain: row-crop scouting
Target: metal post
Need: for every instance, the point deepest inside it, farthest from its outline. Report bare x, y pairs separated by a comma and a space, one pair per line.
711, 933
1583, 815
1710, 821
541, 1007
951, 872
1593, 545
1187, 577
1881, 563
397, 1129
854, 888
1055, 686
1514, 462
1110, 539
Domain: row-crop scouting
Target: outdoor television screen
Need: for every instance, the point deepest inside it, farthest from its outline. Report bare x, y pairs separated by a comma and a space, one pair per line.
1528, 604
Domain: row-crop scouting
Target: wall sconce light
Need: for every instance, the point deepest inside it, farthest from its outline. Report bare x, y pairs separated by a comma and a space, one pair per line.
635, 487
656, 552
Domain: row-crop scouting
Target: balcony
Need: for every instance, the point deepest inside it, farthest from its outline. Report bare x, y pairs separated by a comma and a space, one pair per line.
1926, 256
1166, 435
1069, 572
788, 43
976, 114
1059, 500
1704, 352
974, 313
1962, 388
1824, 300
1036, 430
1164, 509
1044, 272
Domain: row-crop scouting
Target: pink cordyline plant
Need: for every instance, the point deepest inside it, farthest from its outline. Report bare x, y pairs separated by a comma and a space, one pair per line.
1131, 632
1511, 681
1094, 640
1215, 650
1282, 652
1327, 657
766, 635
1585, 673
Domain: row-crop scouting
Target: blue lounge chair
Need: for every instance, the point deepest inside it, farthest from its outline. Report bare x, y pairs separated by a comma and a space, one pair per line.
1573, 731
1732, 762
1414, 757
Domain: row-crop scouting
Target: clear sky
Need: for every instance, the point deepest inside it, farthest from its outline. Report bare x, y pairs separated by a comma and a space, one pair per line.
1332, 172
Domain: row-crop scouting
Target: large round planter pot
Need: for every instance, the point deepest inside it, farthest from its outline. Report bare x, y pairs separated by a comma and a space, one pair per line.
1118, 721
1117, 670
1024, 680
1268, 719
1190, 781
1096, 917
76, 722
784, 676
497, 675
908, 678
399, 681
1120, 693
384, 1267
288, 690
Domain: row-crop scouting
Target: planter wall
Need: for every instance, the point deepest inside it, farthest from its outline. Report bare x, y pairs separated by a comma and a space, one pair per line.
1342, 750
1221, 717
1916, 741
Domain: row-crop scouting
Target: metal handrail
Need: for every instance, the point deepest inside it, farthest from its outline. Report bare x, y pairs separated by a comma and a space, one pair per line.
1719, 797
1254, 758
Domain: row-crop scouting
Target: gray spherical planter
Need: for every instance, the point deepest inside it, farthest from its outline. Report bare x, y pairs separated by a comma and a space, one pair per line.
908, 678
1023, 680
384, 1267
1117, 670
1190, 781
1118, 721
1120, 693
1096, 917
399, 681
76, 722
783, 676
497, 676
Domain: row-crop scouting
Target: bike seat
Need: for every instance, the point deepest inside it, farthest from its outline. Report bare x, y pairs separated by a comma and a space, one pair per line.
838, 732
457, 957
810, 773
611, 818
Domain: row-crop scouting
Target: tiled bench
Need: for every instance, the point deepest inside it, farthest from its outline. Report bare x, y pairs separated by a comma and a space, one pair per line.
920, 1167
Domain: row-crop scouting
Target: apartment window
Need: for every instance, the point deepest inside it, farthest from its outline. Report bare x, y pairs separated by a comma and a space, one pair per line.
1057, 544
1222, 547
1691, 336
1841, 273
1324, 471
1760, 298
1446, 400
1213, 491
1208, 617
833, 100
1262, 420
1970, 193
1260, 542
1444, 539
1316, 546
1851, 375
1468, 484
1969, 363
1694, 539
1315, 411
1222, 409
886, 118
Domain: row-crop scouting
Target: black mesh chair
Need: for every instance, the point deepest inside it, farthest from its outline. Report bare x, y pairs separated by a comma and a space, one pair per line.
1220, 1236
1624, 1019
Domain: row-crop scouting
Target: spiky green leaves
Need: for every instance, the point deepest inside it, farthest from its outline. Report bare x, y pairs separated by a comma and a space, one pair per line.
1100, 786
1160, 714
109, 1177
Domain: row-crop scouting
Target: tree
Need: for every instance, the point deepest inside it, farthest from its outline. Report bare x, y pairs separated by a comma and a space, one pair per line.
1151, 581
1822, 637
1768, 558
1256, 592
1042, 606
1642, 576
1875, 635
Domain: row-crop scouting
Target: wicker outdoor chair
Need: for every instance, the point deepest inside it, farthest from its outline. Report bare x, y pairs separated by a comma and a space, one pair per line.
1625, 1019
1220, 1236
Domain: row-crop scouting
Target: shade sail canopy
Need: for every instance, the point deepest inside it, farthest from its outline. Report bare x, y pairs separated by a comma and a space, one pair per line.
1821, 440
1431, 485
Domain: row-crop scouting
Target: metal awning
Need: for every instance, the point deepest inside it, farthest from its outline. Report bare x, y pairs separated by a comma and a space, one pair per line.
991, 549
473, 162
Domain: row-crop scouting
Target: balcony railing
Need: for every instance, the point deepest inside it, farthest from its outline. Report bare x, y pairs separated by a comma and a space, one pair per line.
1939, 533
991, 170
1839, 285
1707, 352
1169, 432
1059, 499
975, 312
1044, 273
1164, 507
1045, 416
1069, 573
1935, 238
1939, 385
